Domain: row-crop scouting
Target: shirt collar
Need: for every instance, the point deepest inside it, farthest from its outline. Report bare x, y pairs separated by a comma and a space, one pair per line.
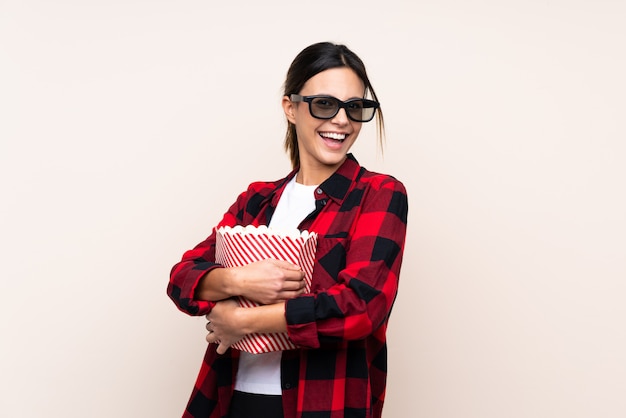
335, 187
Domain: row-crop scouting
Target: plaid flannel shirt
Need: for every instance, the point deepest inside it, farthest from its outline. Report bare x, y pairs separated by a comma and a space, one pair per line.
341, 368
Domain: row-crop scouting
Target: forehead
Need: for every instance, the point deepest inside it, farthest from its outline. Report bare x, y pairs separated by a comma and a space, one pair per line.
343, 83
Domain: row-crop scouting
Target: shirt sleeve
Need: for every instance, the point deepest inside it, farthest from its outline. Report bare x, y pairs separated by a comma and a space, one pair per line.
195, 263
361, 300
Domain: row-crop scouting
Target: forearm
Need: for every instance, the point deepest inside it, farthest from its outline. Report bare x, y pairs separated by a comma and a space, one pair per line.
228, 322
218, 284
266, 282
184, 284
263, 319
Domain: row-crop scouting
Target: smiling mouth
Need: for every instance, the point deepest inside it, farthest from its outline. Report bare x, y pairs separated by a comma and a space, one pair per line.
334, 136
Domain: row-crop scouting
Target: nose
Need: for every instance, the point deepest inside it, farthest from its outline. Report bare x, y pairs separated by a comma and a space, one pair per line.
341, 118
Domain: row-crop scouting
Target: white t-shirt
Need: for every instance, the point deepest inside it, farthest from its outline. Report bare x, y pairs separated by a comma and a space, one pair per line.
260, 373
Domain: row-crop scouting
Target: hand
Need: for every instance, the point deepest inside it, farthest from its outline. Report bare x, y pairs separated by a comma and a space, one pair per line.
222, 326
269, 281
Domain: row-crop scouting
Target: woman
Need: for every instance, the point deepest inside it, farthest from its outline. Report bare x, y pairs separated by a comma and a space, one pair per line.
339, 369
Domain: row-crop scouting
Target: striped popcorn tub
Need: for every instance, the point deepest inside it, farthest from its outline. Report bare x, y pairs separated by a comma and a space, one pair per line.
238, 246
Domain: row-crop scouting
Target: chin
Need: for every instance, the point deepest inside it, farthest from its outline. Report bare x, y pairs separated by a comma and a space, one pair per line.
333, 159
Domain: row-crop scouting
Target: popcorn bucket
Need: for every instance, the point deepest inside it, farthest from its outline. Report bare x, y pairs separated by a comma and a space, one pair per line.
240, 245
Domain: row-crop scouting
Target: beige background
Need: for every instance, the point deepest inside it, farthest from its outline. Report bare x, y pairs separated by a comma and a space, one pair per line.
128, 127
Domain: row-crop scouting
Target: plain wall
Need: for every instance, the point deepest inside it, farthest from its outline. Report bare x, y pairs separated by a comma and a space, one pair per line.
128, 127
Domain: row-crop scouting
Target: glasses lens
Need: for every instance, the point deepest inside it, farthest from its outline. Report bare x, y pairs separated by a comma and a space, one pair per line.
324, 107
360, 110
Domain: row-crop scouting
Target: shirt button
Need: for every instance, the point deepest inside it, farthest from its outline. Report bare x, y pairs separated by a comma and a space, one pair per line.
287, 385
319, 191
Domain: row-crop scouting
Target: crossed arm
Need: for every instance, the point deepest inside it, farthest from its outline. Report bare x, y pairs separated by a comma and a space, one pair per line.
269, 282
357, 295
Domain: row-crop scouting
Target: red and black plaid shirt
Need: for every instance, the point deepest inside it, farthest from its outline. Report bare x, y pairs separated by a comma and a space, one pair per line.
341, 368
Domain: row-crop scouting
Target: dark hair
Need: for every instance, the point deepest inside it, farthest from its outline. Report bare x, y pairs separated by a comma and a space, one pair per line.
313, 60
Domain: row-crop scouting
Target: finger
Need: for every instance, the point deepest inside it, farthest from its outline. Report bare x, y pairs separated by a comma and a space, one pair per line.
293, 285
207, 326
285, 264
222, 348
290, 295
294, 276
209, 337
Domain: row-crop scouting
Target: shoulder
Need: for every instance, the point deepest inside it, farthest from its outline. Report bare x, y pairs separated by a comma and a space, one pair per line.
383, 193
252, 200
380, 181
264, 187
260, 190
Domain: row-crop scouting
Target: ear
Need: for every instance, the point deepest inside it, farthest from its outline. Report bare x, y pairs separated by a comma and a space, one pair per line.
289, 109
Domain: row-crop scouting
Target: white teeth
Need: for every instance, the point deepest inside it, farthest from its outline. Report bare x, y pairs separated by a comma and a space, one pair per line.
333, 135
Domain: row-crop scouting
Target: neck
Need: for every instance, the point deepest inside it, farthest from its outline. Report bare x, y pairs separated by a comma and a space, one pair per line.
307, 179
314, 176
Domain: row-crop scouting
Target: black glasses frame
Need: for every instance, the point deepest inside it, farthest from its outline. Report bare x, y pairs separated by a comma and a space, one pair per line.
367, 104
